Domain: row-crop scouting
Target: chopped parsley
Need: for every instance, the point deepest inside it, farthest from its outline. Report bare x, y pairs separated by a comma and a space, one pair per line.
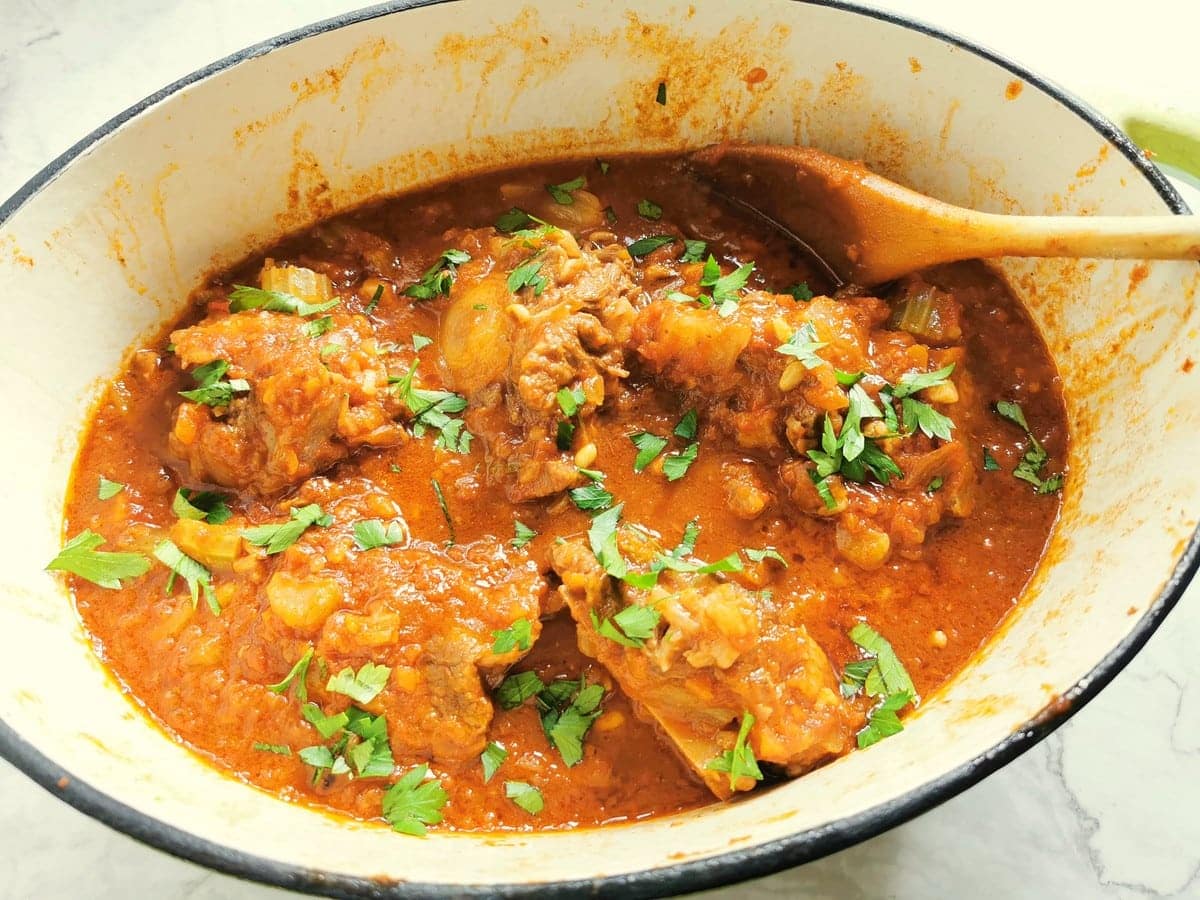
631, 627
277, 538
441, 499
883, 721
439, 277
803, 345
918, 414
298, 675
592, 496
567, 710
420, 342
562, 193
212, 389
207, 506
602, 537
686, 429
1034, 460
278, 749
525, 796
935, 484
493, 758
765, 553
108, 489
693, 251
648, 447
570, 400
436, 410
602, 166
660, 97
739, 762
513, 220
881, 675
327, 726
725, 288
362, 686
370, 534
850, 453
523, 534
243, 297
517, 636
375, 298
648, 209
79, 556
516, 689
196, 576
610, 215
318, 327
989, 461
643, 246
412, 802
323, 759
676, 465
526, 275
801, 291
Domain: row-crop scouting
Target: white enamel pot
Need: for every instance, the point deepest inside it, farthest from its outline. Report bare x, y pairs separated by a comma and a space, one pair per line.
107, 241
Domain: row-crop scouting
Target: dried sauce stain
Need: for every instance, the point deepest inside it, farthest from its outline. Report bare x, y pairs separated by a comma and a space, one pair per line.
308, 193
914, 65
1013, 89
15, 253
1137, 275
1188, 365
158, 203
947, 126
757, 75
124, 241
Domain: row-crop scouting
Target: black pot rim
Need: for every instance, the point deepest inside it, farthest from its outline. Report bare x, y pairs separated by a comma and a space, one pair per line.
726, 868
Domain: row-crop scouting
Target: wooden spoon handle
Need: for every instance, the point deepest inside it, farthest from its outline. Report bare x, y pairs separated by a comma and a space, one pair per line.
1103, 237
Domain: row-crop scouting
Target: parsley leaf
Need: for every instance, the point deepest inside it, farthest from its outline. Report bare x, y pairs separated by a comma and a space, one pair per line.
277, 538
79, 556
373, 303
211, 387
602, 537
920, 415
243, 297
493, 757
591, 496
108, 489
693, 251
516, 689
526, 275
1012, 411
196, 576
911, 382
513, 220
322, 758
643, 246
1035, 457
372, 533
648, 446
739, 762
412, 802
439, 277
562, 192
363, 686
436, 410
883, 721
888, 676
660, 96
297, 675
524, 795
441, 499
631, 627
318, 327
420, 342
935, 484
801, 291
648, 209
568, 725
570, 400
725, 288
989, 461
524, 534
803, 345
279, 749
207, 506
517, 636
327, 726
675, 465
686, 429
603, 166
765, 553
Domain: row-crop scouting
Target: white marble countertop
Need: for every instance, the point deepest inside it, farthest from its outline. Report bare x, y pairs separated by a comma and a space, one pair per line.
1106, 807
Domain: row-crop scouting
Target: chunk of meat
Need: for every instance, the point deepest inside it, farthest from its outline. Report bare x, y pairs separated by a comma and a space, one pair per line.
510, 353
307, 406
774, 405
427, 612
719, 651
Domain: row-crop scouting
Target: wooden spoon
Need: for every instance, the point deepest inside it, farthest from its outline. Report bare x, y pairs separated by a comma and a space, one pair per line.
869, 230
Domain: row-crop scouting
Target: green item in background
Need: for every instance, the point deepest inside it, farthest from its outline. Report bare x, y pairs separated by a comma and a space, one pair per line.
1173, 138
